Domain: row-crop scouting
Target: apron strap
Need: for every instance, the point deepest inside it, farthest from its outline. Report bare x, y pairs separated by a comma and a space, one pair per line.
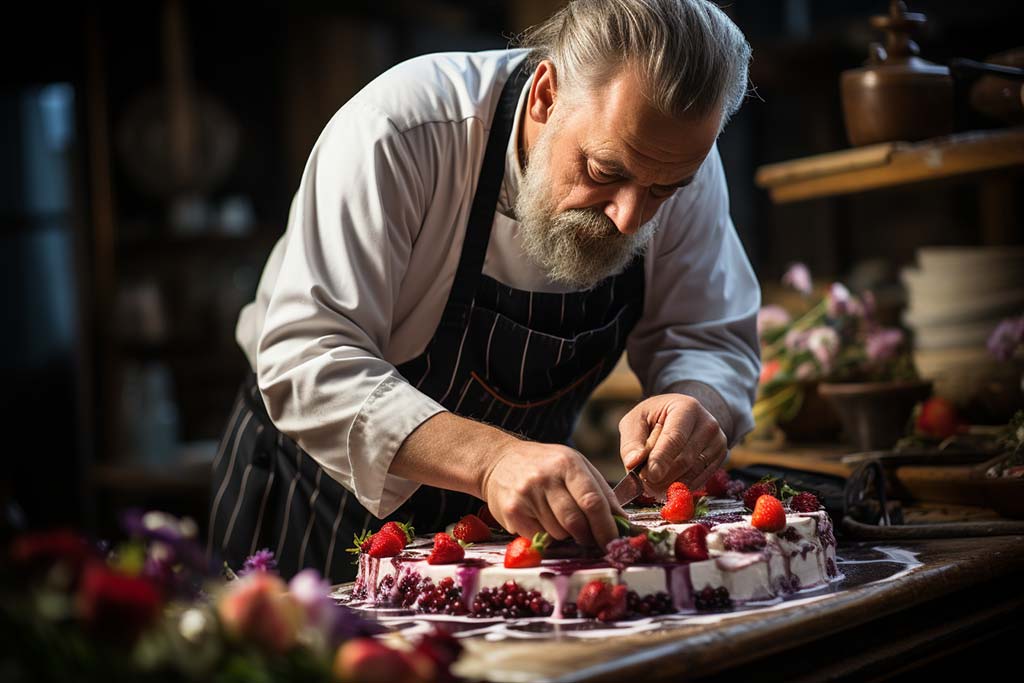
481, 215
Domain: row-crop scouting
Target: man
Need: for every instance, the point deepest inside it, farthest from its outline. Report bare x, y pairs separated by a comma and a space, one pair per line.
475, 240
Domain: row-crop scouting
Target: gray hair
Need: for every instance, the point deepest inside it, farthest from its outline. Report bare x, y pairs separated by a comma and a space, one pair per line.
691, 59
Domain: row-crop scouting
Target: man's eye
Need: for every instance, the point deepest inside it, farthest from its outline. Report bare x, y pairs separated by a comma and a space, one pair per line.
602, 177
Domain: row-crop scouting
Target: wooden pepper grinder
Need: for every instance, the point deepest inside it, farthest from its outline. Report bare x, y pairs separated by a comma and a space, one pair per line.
897, 95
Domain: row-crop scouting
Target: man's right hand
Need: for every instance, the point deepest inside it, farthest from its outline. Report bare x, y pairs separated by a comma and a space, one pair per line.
532, 487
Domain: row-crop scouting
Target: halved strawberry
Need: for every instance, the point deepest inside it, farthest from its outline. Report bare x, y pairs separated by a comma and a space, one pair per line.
692, 544
602, 600
679, 507
404, 531
471, 529
769, 515
446, 550
525, 552
387, 544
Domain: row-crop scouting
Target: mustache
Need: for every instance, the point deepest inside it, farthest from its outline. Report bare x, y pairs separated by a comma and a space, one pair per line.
590, 225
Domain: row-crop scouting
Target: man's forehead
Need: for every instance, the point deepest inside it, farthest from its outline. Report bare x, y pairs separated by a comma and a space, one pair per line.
619, 125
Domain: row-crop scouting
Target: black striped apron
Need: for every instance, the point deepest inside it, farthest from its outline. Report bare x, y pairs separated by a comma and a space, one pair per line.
522, 361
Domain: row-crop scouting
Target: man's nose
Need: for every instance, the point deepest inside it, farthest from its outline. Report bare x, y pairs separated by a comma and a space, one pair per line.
626, 208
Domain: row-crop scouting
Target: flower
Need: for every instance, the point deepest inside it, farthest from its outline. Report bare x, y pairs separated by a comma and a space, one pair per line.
1006, 338
798, 276
260, 561
839, 302
258, 608
771, 318
116, 605
823, 343
42, 549
883, 343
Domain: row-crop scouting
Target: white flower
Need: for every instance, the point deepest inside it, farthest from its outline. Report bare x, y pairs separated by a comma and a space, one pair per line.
823, 342
770, 318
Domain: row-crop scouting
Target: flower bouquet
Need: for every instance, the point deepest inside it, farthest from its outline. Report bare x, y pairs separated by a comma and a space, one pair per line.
835, 340
151, 609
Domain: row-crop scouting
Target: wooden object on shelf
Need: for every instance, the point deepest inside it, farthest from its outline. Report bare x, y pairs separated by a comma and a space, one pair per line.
892, 164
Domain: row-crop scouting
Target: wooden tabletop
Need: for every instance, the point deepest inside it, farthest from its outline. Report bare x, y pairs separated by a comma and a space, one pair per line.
962, 587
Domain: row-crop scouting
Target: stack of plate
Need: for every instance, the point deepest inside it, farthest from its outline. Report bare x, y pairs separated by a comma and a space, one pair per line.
956, 296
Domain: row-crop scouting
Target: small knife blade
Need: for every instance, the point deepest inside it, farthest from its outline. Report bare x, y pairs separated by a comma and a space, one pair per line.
630, 486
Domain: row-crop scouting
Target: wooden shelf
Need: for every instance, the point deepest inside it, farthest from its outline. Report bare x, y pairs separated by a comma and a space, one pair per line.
892, 164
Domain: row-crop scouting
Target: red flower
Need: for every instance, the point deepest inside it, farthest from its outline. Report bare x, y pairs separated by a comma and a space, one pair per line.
769, 370
116, 605
39, 551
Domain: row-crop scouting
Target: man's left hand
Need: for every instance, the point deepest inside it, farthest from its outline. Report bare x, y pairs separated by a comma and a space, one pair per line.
691, 446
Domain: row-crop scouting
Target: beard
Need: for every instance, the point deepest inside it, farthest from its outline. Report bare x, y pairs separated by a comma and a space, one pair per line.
576, 247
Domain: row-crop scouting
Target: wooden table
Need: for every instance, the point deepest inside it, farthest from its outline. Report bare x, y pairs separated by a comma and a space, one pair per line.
965, 597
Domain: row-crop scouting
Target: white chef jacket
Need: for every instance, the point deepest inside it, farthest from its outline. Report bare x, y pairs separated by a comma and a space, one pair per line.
357, 283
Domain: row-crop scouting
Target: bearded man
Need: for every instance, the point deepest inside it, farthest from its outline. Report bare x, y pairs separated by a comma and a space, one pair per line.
476, 239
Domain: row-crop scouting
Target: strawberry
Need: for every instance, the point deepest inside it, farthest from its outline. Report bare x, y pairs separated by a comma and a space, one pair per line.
718, 483
602, 600
484, 513
679, 507
471, 529
700, 493
692, 544
761, 488
446, 550
937, 418
403, 531
768, 514
387, 544
525, 552
643, 545
805, 502
361, 543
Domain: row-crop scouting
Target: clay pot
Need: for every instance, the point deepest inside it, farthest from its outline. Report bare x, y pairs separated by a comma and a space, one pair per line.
875, 414
815, 422
897, 95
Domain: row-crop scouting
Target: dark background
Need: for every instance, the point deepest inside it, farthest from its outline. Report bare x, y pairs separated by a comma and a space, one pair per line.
79, 233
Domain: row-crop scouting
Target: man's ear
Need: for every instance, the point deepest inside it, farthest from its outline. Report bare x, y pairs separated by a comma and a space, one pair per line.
542, 92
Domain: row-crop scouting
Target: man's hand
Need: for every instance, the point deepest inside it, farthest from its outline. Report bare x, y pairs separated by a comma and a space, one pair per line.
691, 445
532, 487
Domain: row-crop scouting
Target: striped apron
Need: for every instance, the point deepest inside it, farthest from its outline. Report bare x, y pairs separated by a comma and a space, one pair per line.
519, 360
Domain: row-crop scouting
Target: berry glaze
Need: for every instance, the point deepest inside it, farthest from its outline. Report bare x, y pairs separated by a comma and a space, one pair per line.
480, 596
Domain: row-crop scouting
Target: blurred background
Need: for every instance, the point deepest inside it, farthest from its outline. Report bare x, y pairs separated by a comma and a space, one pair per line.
150, 150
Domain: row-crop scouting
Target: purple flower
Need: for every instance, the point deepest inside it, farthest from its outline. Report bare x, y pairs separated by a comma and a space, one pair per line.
1004, 340
882, 344
870, 305
770, 318
313, 593
798, 277
260, 561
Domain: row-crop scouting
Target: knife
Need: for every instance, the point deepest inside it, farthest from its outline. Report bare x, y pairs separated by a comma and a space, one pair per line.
627, 490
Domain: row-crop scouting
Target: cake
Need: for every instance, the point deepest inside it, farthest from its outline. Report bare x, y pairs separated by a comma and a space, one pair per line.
743, 565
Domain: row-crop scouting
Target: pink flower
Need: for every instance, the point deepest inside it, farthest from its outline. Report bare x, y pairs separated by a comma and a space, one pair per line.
313, 594
770, 318
798, 277
796, 340
823, 342
806, 370
1004, 340
258, 609
840, 302
882, 344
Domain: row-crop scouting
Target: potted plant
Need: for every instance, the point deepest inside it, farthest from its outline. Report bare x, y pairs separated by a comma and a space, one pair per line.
838, 348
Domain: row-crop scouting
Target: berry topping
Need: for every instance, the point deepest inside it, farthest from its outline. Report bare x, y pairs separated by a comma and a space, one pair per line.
692, 544
602, 600
525, 552
510, 601
712, 599
804, 502
757, 490
679, 507
471, 529
444, 598
768, 514
446, 550
744, 540
620, 553
718, 484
